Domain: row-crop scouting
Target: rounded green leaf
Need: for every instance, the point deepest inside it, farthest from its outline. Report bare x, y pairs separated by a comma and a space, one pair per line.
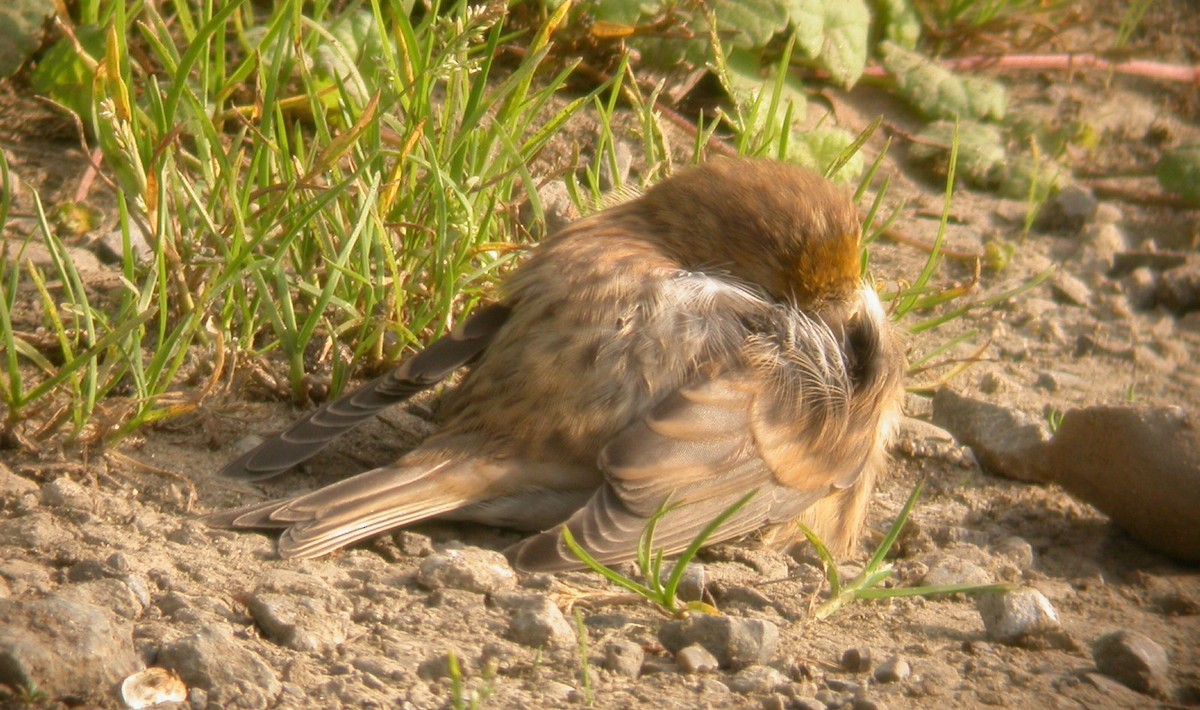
1179, 172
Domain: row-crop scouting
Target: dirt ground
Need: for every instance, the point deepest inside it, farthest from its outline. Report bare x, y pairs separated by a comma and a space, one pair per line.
373, 626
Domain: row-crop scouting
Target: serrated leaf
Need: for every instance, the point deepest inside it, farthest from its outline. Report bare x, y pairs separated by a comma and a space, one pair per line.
939, 93
1023, 174
985, 162
1179, 172
751, 23
833, 34
980, 149
818, 148
21, 23
900, 22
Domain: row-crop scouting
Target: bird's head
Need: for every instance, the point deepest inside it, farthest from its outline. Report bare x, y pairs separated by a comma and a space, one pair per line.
776, 226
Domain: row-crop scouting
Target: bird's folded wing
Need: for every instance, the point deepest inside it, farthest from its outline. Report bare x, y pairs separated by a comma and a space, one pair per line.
701, 450
308, 436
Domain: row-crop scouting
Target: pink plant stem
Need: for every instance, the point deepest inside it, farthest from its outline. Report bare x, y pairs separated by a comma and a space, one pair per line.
1074, 62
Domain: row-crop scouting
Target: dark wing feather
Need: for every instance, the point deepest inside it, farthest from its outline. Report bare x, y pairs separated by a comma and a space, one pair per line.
308, 436
695, 449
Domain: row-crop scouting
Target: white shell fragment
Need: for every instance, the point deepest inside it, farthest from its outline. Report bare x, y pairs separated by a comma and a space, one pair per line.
152, 686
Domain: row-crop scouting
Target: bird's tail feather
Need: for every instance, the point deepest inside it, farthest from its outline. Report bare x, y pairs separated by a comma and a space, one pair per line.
308, 436
365, 505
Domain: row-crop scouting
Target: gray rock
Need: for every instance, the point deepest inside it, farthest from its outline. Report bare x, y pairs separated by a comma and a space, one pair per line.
64, 647
300, 622
441, 666
934, 678
696, 659
1115, 693
1017, 550
110, 247
745, 598
108, 593
919, 439
15, 487
300, 612
38, 530
831, 699
950, 569
866, 702
1070, 290
711, 687
381, 667
468, 568
558, 694
536, 621
23, 577
1133, 659
691, 583
1179, 289
622, 154
847, 687
857, 659
993, 383
893, 670
1055, 381
1071, 208
736, 642
1006, 441
413, 544
62, 492
231, 675
807, 702
1141, 287
624, 657
1020, 617
756, 679
1140, 466
557, 208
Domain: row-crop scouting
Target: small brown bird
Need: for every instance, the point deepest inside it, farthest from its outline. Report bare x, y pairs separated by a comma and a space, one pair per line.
709, 338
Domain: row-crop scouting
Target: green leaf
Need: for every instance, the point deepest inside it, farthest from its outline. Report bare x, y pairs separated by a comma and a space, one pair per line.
65, 76
1179, 172
820, 147
939, 93
900, 22
747, 81
833, 34
21, 23
359, 51
986, 161
752, 23
624, 12
981, 152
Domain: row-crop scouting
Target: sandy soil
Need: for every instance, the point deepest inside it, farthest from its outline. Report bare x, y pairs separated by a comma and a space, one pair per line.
113, 533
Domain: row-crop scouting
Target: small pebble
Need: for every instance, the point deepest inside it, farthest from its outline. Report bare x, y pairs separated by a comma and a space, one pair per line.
696, 659
736, 642
857, 659
757, 679
536, 621
1133, 659
468, 568
1018, 617
624, 657
892, 670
